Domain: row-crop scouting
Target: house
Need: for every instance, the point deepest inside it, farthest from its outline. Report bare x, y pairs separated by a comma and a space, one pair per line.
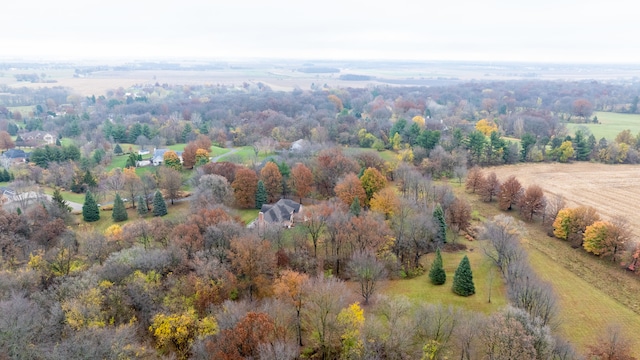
158, 156
13, 156
299, 145
281, 212
35, 138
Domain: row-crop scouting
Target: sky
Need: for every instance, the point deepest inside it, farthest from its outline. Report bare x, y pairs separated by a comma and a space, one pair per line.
555, 31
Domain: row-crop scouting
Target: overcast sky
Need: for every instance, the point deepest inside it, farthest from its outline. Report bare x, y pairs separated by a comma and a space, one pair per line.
490, 30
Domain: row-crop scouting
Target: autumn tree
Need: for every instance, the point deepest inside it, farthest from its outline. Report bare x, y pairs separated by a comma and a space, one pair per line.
132, 184
459, 215
301, 180
170, 180
202, 157
187, 237
253, 262
606, 239
177, 331
612, 344
289, 287
272, 178
332, 165
189, 155
171, 160
244, 188
463, 279
243, 341
324, 299
6, 142
385, 202
509, 194
571, 223
367, 270
372, 182
582, 108
475, 179
486, 127
532, 202
315, 224
490, 188
349, 188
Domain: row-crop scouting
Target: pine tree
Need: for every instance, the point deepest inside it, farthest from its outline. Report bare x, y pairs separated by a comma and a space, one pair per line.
59, 201
159, 206
463, 279
119, 211
5, 175
142, 206
90, 211
355, 207
441, 225
261, 195
89, 179
437, 274
117, 150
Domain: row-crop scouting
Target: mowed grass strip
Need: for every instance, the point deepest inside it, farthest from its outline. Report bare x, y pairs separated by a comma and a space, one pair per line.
486, 278
591, 293
610, 125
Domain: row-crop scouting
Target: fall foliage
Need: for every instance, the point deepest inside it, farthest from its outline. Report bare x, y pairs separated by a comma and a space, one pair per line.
244, 188
349, 188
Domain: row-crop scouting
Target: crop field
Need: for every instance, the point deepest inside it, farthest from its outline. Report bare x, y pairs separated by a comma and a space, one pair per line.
611, 189
592, 293
610, 125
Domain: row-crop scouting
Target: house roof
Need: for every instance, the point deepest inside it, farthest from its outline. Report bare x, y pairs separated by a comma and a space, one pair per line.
159, 153
14, 154
280, 211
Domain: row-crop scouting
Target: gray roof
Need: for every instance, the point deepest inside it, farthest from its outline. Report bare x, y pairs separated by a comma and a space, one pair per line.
280, 211
14, 154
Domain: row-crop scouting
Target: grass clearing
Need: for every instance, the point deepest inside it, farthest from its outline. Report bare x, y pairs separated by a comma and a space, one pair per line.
610, 125
248, 215
420, 289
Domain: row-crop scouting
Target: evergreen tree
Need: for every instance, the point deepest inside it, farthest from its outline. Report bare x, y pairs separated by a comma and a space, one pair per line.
437, 274
59, 201
142, 206
261, 195
58, 143
159, 206
5, 175
119, 211
131, 160
441, 225
117, 150
89, 179
463, 279
355, 207
90, 211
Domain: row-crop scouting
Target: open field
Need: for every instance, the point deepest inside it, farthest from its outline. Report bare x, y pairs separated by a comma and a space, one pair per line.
611, 189
592, 293
610, 125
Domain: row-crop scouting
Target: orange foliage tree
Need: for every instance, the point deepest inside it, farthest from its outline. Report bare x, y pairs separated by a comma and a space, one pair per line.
253, 261
244, 188
189, 155
272, 179
301, 180
349, 188
509, 194
288, 287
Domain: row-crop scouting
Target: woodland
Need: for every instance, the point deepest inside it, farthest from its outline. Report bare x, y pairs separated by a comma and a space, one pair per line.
104, 257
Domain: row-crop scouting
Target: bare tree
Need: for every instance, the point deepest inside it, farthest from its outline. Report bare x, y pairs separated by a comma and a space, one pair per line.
367, 270
503, 233
170, 181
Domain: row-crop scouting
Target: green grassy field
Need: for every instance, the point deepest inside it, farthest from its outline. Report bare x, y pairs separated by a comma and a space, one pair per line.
610, 125
248, 215
420, 289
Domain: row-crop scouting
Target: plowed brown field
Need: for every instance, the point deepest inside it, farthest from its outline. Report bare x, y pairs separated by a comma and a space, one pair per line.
611, 189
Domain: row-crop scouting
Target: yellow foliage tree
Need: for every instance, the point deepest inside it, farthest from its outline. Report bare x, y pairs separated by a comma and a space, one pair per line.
202, 157
372, 182
336, 100
385, 202
595, 237
178, 331
85, 310
418, 120
351, 319
113, 233
486, 127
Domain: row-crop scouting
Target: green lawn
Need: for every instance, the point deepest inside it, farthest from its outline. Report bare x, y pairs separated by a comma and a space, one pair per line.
119, 161
67, 195
248, 215
610, 125
420, 289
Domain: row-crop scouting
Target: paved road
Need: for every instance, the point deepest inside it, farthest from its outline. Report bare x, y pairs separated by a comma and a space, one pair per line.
33, 195
217, 158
